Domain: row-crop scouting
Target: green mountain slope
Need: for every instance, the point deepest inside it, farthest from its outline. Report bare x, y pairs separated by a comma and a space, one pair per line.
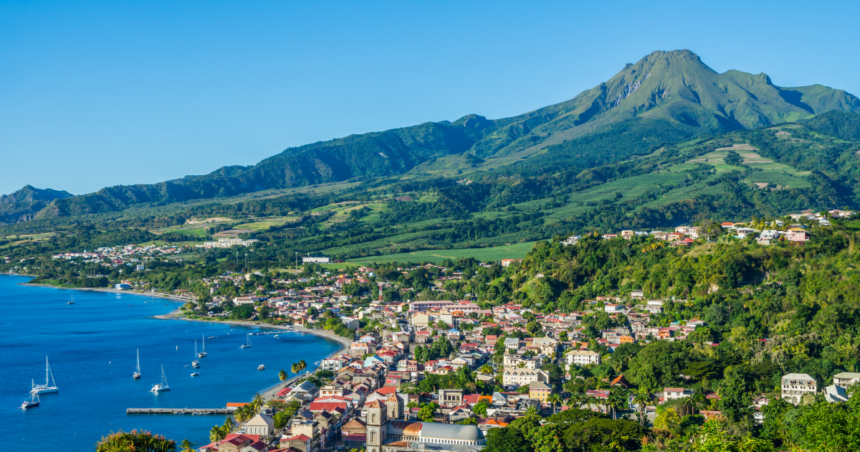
26, 202
665, 97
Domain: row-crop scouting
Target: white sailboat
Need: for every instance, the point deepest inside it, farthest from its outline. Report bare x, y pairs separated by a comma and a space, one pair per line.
33, 402
247, 343
136, 375
195, 364
161, 387
72, 301
49, 386
202, 353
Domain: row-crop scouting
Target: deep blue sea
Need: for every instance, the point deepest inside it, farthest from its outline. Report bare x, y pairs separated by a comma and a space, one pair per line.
91, 346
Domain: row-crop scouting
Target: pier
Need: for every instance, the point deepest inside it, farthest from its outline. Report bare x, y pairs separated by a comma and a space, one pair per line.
195, 411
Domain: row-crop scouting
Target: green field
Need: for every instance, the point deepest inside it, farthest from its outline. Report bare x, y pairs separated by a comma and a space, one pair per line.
497, 253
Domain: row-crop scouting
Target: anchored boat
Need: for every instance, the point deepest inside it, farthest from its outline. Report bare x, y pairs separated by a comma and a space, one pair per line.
49, 386
161, 387
136, 375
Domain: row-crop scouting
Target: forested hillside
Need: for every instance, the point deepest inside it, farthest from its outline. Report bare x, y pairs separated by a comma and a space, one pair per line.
664, 98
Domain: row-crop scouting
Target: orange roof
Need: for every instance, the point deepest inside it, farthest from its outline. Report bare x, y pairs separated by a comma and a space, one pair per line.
235, 404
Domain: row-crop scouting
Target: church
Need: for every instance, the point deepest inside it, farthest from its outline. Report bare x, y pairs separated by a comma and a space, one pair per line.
386, 434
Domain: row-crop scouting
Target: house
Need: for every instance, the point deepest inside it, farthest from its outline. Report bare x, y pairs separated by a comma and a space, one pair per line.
846, 379
835, 394
676, 393
539, 390
237, 443
795, 386
507, 262
582, 357
301, 442
522, 377
613, 308
261, 425
316, 260
797, 235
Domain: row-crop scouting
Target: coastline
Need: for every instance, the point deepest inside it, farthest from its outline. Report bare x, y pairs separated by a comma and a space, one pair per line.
269, 392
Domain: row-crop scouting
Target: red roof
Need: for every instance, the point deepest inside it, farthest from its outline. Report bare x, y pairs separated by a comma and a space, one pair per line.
298, 438
386, 390
326, 406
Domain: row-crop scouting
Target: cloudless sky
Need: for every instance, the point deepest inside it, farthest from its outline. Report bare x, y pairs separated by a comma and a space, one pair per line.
94, 94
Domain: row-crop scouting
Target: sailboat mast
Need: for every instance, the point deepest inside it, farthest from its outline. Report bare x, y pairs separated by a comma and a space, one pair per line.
138, 360
47, 370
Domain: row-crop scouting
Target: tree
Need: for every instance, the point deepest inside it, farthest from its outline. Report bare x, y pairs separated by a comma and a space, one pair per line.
258, 402
667, 420
554, 399
480, 408
642, 398
282, 375
427, 412
215, 434
507, 440
187, 446
735, 400
135, 441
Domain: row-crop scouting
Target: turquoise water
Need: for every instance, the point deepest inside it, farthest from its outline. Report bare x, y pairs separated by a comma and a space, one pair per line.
91, 346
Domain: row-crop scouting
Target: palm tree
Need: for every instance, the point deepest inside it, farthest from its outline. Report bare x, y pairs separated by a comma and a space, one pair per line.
294, 368
215, 434
615, 400
486, 369
282, 375
531, 411
228, 424
258, 401
303, 364
641, 399
554, 399
187, 446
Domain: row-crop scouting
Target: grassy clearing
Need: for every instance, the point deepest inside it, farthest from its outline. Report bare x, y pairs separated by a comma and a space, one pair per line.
265, 223
497, 253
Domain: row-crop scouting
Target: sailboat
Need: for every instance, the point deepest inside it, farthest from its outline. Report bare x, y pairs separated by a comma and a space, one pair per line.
136, 375
247, 343
195, 364
32, 403
49, 378
72, 301
195, 374
161, 387
202, 353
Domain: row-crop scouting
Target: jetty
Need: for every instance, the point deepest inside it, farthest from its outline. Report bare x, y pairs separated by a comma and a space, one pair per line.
197, 411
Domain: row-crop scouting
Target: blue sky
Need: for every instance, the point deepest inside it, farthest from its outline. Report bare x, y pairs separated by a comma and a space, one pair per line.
94, 94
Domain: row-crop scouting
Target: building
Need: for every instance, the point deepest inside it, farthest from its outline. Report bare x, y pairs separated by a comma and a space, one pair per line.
261, 425
237, 443
539, 390
522, 377
795, 386
846, 379
385, 435
675, 393
508, 262
582, 357
450, 397
316, 260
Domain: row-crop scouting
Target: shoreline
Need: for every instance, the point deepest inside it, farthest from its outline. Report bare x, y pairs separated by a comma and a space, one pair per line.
269, 392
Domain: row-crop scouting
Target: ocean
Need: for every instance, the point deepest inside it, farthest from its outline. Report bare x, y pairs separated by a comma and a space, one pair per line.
91, 346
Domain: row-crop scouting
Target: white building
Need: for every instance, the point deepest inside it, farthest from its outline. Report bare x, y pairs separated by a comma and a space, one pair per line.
795, 386
675, 393
260, 425
522, 377
846, 379
316, 260
582, 357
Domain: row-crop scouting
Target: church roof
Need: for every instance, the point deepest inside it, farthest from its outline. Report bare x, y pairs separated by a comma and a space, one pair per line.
376, 404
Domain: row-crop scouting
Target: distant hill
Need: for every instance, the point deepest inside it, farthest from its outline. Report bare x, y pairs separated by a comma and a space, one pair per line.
26, 202
665, 97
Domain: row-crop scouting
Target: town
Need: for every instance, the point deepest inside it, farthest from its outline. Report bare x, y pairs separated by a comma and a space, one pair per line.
429, 365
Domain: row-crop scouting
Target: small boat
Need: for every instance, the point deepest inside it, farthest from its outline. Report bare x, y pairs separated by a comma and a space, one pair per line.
46, 388
195, 364
32, 403
72, 301
160, 387
202, 353
247, 343
136, 374
261, 367
195, 374
276, 336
